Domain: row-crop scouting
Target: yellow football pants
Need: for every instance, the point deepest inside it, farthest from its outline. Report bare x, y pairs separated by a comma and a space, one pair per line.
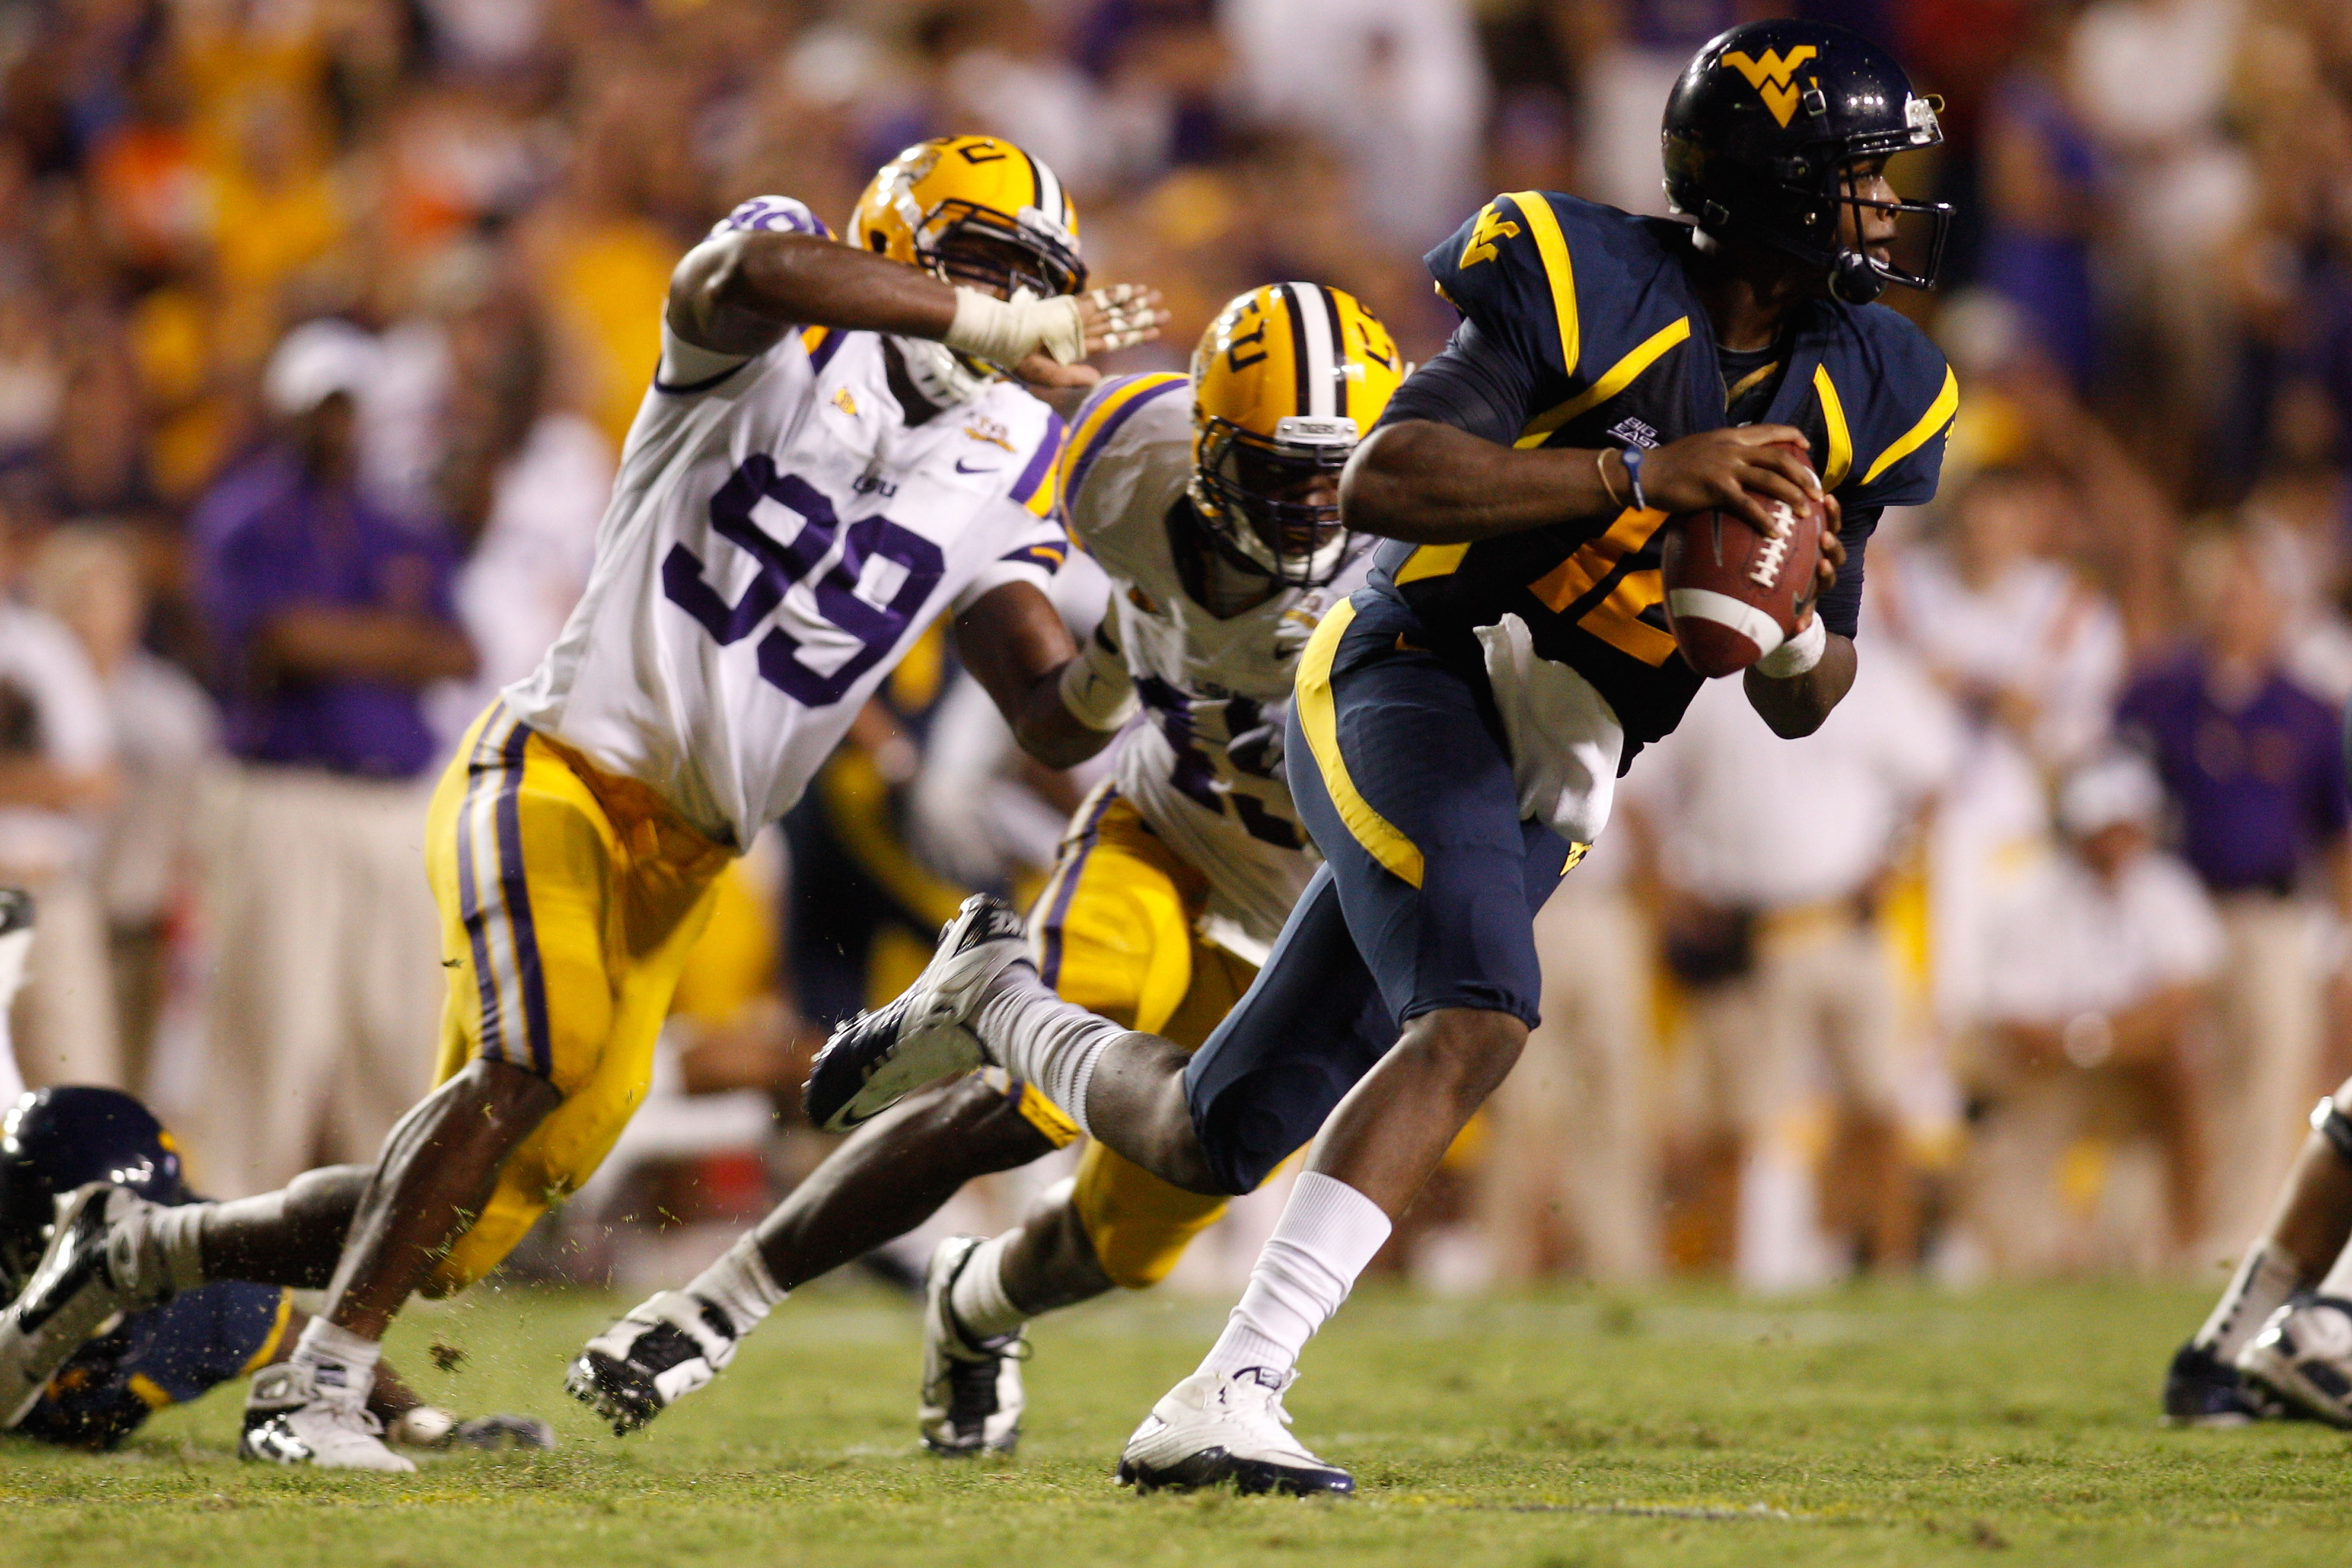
570, 899
1114, 933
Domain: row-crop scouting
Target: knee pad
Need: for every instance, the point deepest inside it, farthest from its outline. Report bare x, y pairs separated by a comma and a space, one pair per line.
2334, 1126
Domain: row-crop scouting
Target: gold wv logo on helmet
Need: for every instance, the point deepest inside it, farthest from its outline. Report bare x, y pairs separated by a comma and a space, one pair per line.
1773, 77
1284, 382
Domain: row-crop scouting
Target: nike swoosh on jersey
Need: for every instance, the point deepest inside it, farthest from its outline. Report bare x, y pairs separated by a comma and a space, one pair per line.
961, 469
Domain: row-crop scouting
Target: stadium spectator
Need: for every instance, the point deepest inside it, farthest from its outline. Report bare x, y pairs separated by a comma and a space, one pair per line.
1771, 862
1568, 1177
2253, 766
524, 482
330, 616
167, 740
2030, 653
58, 778
2102, 960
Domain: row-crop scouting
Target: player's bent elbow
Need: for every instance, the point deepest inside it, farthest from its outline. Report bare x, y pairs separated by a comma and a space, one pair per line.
1377, 488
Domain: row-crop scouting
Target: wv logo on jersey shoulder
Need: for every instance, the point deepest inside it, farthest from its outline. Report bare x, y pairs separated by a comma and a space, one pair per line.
1773, 77
1492, 229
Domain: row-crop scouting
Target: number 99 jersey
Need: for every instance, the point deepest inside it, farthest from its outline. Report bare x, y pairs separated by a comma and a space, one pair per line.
1204, 681
778, 536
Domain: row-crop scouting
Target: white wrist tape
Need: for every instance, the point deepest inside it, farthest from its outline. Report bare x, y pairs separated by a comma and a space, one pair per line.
1006, 332
1797, 655
1097, 688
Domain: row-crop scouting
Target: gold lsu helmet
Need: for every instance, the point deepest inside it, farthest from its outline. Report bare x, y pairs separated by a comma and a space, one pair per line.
970, 210
974, 210
1285, 383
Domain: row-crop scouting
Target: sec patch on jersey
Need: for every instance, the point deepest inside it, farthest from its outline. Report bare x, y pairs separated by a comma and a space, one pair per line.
1734, 594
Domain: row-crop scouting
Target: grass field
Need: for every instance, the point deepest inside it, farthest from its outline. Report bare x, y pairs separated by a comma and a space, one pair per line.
1866, 1426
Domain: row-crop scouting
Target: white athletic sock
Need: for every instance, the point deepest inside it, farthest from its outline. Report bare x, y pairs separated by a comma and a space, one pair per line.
178, 1235
739, 1285
978, 1299
2259, 1286
342, 1365
1042, 1040
1327, 1233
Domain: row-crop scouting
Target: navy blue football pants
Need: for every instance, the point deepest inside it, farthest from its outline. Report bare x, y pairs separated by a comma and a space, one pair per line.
1425, 900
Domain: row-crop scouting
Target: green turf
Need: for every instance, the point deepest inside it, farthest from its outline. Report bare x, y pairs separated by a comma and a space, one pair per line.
1891, 1427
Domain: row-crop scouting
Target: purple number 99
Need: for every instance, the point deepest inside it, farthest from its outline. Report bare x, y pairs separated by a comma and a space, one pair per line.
870, 541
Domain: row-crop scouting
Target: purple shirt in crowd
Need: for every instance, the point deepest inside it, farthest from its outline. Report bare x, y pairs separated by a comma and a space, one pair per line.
2259, 789
268, 541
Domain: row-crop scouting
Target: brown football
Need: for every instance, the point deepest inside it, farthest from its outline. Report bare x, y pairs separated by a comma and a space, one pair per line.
1732, 595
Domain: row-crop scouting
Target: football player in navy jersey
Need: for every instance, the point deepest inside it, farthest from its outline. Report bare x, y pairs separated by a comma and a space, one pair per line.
51, 1142
1459, 724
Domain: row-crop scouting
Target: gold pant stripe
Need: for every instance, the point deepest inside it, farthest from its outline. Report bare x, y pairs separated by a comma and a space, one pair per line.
1319, 717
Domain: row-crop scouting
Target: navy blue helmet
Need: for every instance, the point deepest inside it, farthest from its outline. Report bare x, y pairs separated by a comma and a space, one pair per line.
54, 1140
1761, 128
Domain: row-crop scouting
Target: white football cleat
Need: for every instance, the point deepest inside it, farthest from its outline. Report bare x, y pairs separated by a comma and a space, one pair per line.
100, 1263
668, 1346
2303, 1354
877, 1058
1211, 1429
290, 1420
972, 1396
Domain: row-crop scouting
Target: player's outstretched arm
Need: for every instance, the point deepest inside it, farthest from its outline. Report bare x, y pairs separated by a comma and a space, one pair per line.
1429, 483
1015, 645
740, 290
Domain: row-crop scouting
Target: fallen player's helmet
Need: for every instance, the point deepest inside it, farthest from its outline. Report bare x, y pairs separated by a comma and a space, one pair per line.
980, 212
1285, 381
1762, 127
53, 1141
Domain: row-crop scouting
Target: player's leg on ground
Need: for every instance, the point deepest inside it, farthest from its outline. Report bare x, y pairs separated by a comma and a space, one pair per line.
1438, 879
569, 901
292, 1237
2300, 1351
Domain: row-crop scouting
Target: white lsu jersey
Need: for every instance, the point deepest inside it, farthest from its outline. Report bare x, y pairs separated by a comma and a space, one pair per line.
1203, 680
778, 537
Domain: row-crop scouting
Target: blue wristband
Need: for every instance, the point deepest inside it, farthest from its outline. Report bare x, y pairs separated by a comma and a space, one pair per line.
1632, 458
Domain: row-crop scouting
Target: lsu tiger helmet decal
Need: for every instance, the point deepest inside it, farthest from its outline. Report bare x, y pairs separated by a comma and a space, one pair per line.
1763, 128
1285, 383
975, 211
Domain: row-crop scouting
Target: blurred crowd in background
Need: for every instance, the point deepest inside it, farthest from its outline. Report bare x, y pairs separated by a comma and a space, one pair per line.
321, 322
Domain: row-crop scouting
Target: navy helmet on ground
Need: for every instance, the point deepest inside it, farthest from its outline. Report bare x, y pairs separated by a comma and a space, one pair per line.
54, 1140
1763, 125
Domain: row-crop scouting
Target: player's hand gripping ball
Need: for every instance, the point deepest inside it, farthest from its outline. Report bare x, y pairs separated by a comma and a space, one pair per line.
1734, 594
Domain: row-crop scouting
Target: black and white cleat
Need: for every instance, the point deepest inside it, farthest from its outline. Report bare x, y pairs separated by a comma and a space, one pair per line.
668, 1346
2303, 1355
877, 1058
1212, 1430
96, 1266
972, 1396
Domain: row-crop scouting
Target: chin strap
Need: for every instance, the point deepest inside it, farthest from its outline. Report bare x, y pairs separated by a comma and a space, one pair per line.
1855, 280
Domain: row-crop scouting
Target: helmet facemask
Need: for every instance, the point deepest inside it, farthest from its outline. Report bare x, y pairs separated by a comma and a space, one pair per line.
974, 247
1246, 490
